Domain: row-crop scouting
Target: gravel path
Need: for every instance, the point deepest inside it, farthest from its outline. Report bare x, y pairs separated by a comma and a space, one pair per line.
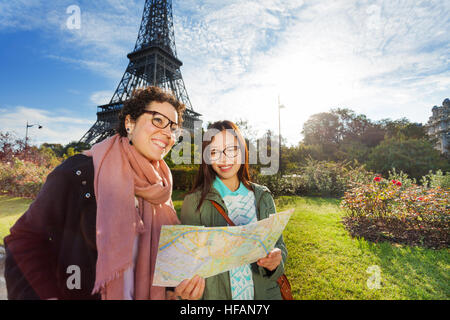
2, 271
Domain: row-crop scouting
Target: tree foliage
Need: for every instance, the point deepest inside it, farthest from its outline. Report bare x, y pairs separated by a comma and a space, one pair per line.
341, 134
413, 156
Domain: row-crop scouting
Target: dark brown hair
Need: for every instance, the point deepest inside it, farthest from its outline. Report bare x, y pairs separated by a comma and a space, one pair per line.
140, 99
206, 174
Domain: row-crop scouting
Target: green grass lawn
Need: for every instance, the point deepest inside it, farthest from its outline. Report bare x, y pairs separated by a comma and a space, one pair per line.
10, 210
324, 262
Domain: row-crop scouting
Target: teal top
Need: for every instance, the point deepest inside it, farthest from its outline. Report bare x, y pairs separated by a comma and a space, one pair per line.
241, 206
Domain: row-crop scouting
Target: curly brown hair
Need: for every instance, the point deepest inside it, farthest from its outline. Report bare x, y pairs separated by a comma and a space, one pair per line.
140, 99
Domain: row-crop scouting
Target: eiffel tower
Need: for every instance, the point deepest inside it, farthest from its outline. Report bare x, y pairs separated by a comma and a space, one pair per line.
153, 62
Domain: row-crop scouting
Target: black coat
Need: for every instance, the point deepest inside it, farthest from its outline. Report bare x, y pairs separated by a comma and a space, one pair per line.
55, 237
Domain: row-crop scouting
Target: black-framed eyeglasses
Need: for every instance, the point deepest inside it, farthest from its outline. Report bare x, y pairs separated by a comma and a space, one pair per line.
161, 121
230, 152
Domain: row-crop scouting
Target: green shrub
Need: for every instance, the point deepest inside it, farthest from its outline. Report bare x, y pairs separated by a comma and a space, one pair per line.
327, 178
414, 156
282, 186
317, 178
402, 177
436, 180
183, 177
22, 178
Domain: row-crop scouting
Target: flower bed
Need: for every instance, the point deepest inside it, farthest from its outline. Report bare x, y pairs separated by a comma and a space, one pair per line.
388, 210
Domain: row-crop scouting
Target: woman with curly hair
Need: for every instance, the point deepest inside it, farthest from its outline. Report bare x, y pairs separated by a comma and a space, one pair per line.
93, 230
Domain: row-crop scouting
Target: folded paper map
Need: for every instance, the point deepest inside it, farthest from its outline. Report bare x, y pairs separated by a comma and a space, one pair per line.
185, 251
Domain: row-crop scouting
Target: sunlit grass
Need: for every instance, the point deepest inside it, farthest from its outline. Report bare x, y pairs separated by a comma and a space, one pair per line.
326, 263
10, 210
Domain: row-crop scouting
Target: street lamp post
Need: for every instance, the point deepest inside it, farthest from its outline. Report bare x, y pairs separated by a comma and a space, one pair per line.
280, 106
26, 133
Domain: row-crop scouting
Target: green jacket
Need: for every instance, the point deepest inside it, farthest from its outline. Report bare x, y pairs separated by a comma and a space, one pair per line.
218, 287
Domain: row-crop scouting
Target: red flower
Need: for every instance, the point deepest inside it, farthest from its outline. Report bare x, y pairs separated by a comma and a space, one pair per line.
377, 179
420, 198
394, 182
399, 183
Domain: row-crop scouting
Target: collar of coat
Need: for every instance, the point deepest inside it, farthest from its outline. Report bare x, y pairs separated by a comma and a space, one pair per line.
258, 190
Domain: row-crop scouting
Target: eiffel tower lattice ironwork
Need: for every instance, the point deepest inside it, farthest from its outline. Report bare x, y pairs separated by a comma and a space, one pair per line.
153, 62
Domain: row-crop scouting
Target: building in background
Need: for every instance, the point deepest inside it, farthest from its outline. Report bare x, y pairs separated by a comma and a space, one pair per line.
438, 126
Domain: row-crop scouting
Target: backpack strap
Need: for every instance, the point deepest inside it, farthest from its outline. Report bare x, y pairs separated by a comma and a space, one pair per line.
223, 213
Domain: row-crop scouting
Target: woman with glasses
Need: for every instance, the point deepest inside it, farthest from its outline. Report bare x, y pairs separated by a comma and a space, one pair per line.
93, 230
223, 184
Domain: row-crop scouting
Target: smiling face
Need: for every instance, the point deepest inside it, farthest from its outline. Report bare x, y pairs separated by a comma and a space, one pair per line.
150, 141
226, 167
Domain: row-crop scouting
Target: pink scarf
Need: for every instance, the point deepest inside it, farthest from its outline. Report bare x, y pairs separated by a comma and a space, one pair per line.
121, 172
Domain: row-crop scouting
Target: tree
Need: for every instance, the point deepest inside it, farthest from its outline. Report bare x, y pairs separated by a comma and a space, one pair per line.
372, 135
7, 149
48, 157
413, 156
322, 128
403, 129
353, 150
295, 157
339, 130
343, 134
69, 153
57, 148
246, 129
11, 146
77, 147
351, 126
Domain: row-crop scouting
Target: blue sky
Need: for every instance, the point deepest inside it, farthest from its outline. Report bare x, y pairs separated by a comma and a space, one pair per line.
386, 59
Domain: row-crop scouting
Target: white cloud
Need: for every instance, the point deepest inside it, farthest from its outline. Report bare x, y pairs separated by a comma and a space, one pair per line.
226, 36
108, 30
101, 97
102, 67
56, 128
20, 14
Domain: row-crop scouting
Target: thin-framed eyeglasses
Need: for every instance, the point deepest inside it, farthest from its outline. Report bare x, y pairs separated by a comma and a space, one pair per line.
230, 152
161, 121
